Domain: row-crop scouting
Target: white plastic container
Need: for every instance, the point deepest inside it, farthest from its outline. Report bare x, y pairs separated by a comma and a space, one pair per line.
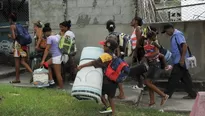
88, 81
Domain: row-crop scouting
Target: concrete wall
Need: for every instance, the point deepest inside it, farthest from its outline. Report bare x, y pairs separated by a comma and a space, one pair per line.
51, 11
82, 12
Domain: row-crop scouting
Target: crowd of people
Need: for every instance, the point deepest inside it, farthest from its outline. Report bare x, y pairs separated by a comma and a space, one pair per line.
143, 46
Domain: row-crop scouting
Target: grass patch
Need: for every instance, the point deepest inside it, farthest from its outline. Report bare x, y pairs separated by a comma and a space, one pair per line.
51, 102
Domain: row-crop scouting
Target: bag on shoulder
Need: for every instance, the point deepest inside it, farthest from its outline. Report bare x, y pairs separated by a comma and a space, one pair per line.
67, 45
117, 70
190, 62
23, 37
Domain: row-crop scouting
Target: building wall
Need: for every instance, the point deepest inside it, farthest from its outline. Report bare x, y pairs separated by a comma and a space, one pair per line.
85, 12
82, 12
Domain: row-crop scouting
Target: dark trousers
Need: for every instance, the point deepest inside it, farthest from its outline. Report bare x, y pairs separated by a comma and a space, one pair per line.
137, 57
180, 74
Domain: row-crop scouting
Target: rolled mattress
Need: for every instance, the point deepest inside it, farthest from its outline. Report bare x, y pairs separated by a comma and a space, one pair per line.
88, 81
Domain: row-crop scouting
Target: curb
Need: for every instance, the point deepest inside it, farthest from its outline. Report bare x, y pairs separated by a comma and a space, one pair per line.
197, 84
11, 73
182, 111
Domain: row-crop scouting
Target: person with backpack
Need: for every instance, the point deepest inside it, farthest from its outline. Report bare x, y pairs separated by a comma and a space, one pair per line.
55, 60
109, 86
21, 39
121, 49
68, 47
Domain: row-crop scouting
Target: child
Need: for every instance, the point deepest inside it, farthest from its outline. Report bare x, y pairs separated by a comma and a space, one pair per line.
109, 87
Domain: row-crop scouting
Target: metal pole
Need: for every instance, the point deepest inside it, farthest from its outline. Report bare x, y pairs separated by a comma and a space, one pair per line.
66, 8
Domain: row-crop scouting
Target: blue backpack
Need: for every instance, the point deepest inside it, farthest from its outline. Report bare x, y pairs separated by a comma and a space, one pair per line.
23, 37
117, 70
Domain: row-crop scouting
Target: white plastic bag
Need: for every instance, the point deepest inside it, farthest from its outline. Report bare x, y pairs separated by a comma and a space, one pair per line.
40, 77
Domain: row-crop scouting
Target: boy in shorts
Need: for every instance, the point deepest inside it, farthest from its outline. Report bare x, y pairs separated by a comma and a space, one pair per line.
109, 87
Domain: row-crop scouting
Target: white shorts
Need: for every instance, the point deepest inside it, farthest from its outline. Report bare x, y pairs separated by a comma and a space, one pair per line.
56, 60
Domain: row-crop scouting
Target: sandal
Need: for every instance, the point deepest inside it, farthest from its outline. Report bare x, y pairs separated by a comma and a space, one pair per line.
164, 100
15, 81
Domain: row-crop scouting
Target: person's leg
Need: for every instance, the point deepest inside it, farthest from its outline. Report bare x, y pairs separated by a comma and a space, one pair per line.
57, 69
73, 68
104, 101
112, 105
17, 67
24, 63
186, 79
173, 81
49, 62
140, 81
151, 95
121, 91
157, 90
105, 90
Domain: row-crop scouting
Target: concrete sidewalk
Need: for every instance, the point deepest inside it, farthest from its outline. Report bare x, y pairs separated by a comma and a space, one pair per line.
7, 71
176, 104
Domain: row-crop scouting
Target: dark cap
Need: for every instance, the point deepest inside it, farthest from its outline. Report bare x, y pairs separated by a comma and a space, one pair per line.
110, 42
167, 26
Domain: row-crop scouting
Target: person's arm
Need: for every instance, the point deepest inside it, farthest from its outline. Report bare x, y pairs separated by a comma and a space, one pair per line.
39, 36
46, 52
163, 60
118, 52
182, 42
156, 44
85, 65
12, 35
101, 62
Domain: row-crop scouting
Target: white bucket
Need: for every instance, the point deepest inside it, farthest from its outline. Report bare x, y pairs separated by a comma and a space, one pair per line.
88, 81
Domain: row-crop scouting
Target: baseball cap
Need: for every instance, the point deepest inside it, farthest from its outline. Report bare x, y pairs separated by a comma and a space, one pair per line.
111, 43
167, 26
